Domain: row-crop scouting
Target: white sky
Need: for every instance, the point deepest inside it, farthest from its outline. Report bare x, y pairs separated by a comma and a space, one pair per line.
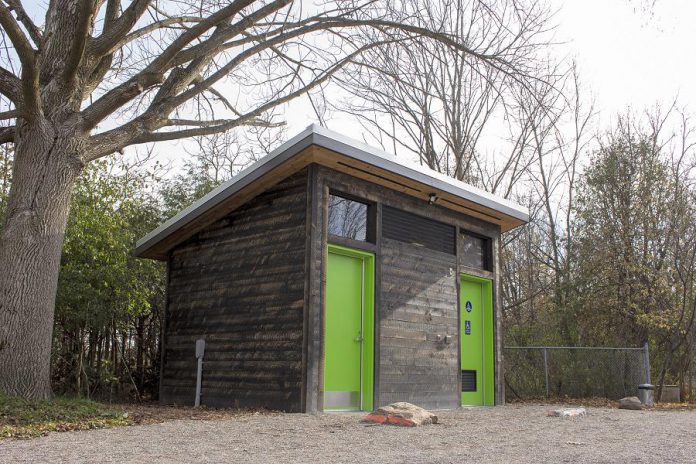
628, 57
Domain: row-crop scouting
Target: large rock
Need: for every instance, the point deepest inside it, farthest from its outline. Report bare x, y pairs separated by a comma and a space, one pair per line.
630, 402
403, 414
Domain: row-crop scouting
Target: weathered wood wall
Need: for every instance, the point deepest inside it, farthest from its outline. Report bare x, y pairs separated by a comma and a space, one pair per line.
240, 285
418, 303
416, 300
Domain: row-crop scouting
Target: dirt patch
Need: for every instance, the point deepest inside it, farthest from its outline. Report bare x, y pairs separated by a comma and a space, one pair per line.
25, 419
515, 433
144, 414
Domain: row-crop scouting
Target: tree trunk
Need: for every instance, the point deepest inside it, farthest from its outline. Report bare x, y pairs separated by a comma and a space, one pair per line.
47, 162
140, 351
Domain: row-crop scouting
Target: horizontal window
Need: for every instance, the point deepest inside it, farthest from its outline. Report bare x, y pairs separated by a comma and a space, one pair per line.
411, 228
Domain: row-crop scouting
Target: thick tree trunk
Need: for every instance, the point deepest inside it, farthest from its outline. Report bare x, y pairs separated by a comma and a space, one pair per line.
47, 162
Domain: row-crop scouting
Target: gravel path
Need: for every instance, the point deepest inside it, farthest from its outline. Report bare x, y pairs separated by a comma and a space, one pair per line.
517, 433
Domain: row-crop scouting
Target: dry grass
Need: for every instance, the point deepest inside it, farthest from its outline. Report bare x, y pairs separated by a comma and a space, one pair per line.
20, 418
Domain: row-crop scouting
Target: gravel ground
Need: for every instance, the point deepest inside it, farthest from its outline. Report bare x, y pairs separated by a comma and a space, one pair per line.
516, 433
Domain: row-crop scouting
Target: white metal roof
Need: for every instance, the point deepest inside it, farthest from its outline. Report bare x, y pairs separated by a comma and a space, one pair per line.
317, 135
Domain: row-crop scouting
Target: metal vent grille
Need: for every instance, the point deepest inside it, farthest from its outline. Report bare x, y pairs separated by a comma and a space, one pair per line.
468, 381
411, 228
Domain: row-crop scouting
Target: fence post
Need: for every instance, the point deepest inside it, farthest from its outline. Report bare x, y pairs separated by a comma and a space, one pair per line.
546, 371
646, 361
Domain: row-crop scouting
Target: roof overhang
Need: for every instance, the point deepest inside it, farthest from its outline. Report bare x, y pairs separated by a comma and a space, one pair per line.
322, 146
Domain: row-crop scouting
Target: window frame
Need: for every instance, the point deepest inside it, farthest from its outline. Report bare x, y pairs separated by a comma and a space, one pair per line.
370, 220
487, 250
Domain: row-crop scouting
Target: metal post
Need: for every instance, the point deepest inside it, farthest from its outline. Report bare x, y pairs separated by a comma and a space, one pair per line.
546, 371
646, 361
200, 350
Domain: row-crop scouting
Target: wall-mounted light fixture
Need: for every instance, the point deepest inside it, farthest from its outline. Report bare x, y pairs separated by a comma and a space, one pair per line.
432, 198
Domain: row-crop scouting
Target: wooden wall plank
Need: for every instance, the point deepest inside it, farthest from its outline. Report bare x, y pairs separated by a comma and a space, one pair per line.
240, 284
419, 303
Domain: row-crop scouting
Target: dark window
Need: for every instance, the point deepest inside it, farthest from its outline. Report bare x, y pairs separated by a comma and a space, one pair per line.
411, 228
475, 251
348, 218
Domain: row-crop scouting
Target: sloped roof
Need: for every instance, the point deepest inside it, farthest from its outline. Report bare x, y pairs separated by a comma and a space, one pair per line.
337, 151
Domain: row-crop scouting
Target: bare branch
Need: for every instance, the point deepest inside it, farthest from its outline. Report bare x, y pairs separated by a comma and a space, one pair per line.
222, 98
113, 9
98, 74
164, 23
19, 40
114, 140
7, 134
220, 122
116, 28
161, 136
154, 73
23, 17
30, 77
10, 86
81, 35
11, 114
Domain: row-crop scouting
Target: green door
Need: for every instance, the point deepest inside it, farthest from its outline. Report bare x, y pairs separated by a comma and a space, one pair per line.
476, 333
349, 330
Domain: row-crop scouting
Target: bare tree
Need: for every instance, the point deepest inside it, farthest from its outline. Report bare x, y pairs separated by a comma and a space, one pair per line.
433, 101
559, 128
223, 154
101, 75
436, 102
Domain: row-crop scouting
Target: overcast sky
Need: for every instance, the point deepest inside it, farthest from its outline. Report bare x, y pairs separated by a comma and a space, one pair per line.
628, 57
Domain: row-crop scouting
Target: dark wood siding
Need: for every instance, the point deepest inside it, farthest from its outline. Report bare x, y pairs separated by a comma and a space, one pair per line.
240, 284
419, 302
315, 286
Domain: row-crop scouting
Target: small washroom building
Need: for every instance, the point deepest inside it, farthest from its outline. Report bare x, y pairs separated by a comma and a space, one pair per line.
330, 275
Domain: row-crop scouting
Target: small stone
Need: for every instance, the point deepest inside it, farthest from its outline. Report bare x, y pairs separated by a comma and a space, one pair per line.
402, 414
630, 402
567, 412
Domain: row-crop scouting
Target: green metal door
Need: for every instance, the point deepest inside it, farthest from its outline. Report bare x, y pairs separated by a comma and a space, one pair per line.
476, 334
348, 341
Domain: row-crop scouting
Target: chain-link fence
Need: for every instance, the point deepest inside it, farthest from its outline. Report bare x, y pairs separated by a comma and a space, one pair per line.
576, 372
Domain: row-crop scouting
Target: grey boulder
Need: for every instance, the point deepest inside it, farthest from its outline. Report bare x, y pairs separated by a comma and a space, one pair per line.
630, 402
